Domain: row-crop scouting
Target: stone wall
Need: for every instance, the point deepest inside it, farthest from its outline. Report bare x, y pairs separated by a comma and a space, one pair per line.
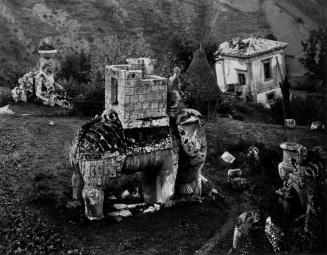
139, 98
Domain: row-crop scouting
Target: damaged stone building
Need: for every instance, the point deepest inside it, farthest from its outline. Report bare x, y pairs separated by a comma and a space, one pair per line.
251, 68
138, 96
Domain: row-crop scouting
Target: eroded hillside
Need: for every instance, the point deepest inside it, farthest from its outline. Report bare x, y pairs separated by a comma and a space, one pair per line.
81, 24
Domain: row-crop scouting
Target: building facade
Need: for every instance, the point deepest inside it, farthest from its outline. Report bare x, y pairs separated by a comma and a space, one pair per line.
251, 68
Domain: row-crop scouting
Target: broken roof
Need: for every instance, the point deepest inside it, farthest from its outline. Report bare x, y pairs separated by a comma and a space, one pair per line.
250, 47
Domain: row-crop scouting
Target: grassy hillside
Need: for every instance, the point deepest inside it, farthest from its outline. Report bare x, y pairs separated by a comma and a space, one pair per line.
77, 24
85, 24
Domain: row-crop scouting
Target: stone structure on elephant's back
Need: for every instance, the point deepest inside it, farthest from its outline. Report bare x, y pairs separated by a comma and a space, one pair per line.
138, 96
135, 134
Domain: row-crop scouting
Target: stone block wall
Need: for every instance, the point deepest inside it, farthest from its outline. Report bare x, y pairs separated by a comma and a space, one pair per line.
139, 98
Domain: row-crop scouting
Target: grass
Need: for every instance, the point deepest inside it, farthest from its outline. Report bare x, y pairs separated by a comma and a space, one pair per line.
34, 166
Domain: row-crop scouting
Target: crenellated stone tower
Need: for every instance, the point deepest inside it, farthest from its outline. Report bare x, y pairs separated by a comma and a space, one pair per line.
138, 96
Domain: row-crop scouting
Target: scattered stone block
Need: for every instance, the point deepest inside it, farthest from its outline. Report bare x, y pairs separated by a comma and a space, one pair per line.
125, 206
227, 157
122, 213
152, 209
253, 152
112, 197
6, 110
124, 194
232, 173
317, 125
290, 123
238, 181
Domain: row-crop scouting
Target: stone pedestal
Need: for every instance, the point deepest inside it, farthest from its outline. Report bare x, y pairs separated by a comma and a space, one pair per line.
290, 150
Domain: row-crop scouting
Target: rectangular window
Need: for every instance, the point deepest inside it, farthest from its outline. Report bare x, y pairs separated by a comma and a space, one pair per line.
114, 91
267, 70
271, 96
241, 79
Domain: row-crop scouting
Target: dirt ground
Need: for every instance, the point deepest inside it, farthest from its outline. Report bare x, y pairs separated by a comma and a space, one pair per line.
35, 187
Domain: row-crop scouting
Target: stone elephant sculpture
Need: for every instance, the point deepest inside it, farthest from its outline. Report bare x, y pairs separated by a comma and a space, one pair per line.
170, 158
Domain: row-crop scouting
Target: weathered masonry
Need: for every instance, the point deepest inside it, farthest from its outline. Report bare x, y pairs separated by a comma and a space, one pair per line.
138, 96
251, 67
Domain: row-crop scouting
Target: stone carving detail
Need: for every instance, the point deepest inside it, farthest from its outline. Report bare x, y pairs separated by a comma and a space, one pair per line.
40, 85
169, 151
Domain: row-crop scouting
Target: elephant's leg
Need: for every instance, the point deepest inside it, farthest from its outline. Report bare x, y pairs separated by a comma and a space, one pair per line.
159, 184
93, 201
166, 178
189, 181
77, 184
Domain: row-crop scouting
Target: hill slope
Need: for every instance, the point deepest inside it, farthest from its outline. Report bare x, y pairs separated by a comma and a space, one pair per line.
82, 24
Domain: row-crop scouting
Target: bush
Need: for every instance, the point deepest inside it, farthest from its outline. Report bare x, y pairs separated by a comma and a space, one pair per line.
5, 96
10, 74
91, 101
304, 111
76, 67
276, 111
225, 107
113, 50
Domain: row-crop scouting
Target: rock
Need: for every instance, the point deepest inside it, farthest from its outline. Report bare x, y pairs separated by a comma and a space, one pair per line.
157, 207
150, 209
124, 194
120, 206
227, 157
6, 110
122, 213
290, 123
125, 206
317, 125
253, 152
112, 197
232, 173
136, 193
238, 181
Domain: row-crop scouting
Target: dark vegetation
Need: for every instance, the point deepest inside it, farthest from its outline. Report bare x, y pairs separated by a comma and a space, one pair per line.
315, 54
83, 76
304, 111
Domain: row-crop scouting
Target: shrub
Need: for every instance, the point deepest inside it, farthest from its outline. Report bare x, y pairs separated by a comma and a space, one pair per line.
10, 74
225, 107
115, 50
304, 111
91, 101
5, 96
76, 67
276, 111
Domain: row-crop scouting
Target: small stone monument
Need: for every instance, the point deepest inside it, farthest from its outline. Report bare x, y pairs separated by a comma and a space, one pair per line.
40, 85
138, 96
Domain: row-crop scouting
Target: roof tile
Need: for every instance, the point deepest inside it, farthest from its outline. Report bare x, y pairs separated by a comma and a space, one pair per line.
250, 47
